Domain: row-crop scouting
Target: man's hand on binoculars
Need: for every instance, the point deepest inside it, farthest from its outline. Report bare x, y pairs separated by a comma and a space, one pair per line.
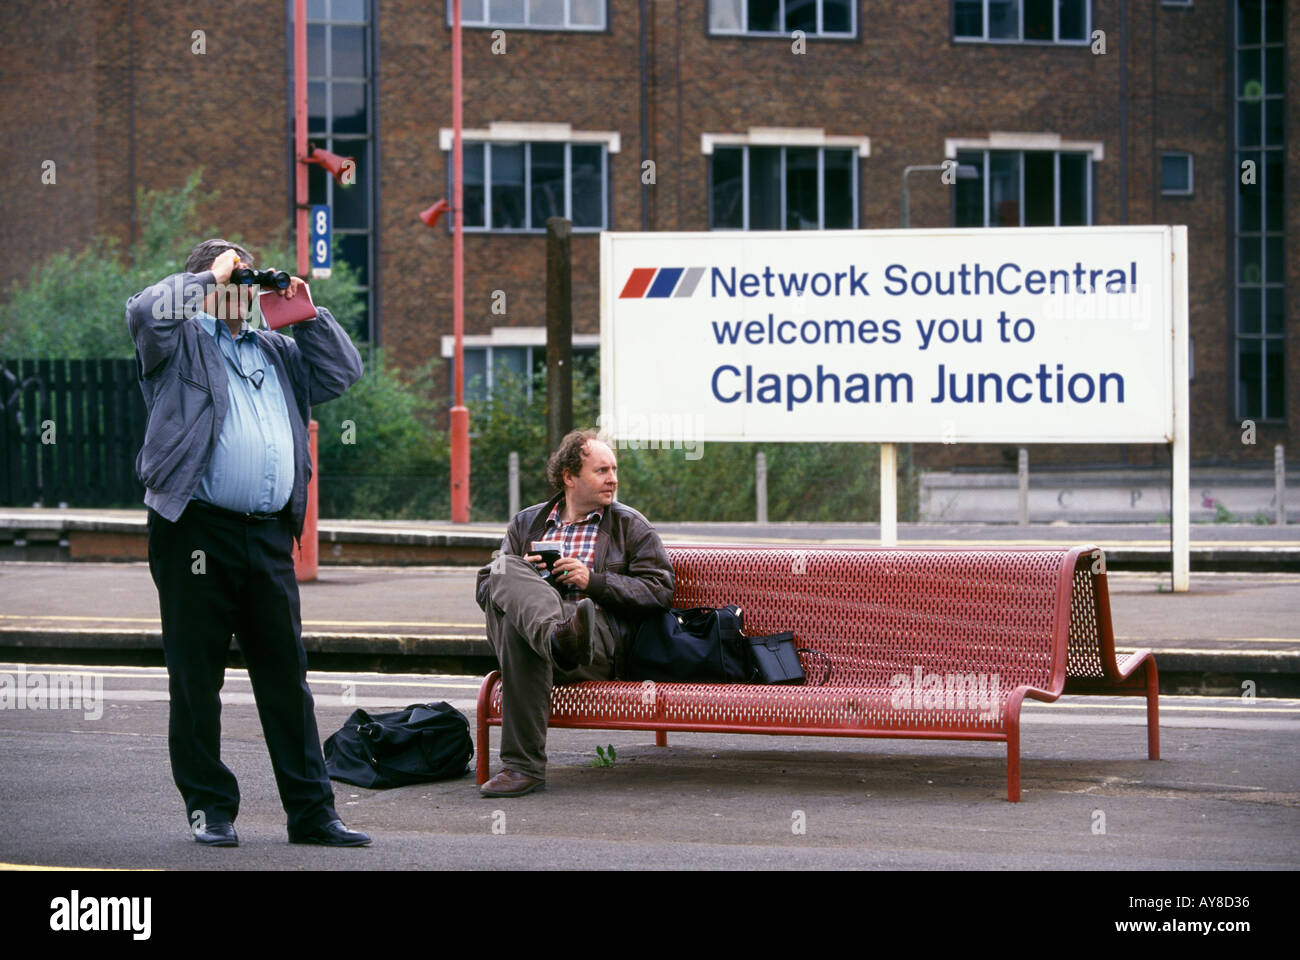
224, 265
292, 289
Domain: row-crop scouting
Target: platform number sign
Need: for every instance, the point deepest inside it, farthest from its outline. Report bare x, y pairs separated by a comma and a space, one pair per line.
320, 241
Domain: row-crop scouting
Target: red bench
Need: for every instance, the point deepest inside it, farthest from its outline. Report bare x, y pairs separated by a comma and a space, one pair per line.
922, 643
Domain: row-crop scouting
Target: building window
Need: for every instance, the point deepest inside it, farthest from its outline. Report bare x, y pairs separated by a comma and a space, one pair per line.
1260, 259
1176, 174
517, 186
1025, 188
340, 78
783, 188
532, 14
1022, 21
780, 18
515, 354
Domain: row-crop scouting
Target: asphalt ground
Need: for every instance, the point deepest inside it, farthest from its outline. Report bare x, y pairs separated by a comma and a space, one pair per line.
86, 791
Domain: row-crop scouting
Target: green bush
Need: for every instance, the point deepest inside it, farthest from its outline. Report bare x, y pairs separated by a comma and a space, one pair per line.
73, 304
381, 453
806, 482
396, 463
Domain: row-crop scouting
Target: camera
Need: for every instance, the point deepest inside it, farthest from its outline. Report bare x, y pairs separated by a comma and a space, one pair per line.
549, 551
269, 279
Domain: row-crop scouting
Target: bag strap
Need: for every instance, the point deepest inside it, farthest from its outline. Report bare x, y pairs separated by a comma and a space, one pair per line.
825, 657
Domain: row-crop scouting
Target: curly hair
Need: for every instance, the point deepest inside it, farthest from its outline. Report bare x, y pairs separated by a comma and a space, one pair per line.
569, 456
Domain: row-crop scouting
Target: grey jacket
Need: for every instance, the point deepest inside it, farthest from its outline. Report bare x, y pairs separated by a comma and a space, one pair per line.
631, 576
182, 374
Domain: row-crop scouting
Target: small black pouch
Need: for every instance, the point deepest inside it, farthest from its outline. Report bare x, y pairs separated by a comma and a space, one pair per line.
775, 657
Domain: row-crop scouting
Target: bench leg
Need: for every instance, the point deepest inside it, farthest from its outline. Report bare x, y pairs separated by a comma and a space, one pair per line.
661, 738
1013, 757
1153, 711
481, 749
484, 740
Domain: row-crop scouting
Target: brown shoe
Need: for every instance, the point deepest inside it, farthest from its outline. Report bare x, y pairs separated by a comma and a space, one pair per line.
511, 783
572, 640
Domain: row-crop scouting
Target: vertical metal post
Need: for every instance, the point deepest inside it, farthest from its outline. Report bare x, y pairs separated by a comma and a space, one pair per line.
512, 471
760, 485
559, 331
300, 130
306, 551
1179, 503
1279, 483
307, 555
459, 412
888, 495
1022, 474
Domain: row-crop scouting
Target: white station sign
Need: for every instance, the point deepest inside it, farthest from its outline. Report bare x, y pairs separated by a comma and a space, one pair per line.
974, 335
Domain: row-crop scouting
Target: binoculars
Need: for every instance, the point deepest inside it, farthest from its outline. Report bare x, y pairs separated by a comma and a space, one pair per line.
269, 279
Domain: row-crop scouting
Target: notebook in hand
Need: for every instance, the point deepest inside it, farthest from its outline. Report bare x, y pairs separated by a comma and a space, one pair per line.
280, 311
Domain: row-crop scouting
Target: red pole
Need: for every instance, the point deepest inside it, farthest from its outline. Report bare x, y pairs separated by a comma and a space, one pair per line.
305, 558
300, 129
459, 413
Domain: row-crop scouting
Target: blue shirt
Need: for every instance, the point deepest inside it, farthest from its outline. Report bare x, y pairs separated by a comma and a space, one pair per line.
251, 470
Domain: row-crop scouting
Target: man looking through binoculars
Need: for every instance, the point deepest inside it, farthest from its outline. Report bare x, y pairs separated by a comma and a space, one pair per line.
225, 465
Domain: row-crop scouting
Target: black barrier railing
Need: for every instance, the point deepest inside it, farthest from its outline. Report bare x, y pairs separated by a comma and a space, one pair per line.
69, 432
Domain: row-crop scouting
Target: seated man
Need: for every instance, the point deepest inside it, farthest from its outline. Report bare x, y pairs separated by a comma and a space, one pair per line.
613, 571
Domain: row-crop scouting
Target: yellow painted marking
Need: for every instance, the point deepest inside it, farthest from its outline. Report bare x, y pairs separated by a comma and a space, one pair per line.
234, 674
1208, 651
415, 636
28, 867
315, 623
1163, 707
1140, 640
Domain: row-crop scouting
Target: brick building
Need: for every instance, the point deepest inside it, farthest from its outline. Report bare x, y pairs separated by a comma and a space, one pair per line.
747, 124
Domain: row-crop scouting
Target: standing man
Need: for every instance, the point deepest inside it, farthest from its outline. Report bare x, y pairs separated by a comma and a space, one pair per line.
225, 465
613, 571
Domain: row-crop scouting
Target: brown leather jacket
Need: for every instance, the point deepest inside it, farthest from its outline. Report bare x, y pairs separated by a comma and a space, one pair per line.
631, 577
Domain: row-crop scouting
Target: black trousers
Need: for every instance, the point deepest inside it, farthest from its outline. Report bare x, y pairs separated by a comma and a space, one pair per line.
218, 576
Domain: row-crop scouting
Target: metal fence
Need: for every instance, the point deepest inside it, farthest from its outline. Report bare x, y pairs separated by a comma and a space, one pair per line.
69, 432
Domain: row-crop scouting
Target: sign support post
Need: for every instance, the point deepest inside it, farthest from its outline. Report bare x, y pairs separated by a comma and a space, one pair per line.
1179, 507
888, 495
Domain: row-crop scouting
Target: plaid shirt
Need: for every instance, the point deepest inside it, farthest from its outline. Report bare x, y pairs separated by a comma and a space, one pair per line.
578, 537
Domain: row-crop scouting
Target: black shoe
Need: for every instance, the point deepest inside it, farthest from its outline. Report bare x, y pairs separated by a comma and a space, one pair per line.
216, 835
572, 640
332, 834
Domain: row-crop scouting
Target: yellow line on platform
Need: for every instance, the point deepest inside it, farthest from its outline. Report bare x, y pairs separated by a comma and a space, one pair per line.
1140, 640
305, 623
1164, 708
1210, 651
30, 867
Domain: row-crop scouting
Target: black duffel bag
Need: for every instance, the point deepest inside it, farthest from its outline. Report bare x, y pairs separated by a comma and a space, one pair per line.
696, 645
423, 743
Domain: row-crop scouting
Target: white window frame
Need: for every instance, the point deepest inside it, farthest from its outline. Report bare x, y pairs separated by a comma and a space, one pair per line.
744, 30
513, 134
1056, 40
1191, 183
1056, 181
488, 22
785, 137
532, 338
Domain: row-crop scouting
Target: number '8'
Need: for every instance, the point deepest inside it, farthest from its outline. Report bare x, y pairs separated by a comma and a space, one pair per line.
320, 221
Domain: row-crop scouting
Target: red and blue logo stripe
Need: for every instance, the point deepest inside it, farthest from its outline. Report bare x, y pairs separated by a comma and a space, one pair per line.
661, 282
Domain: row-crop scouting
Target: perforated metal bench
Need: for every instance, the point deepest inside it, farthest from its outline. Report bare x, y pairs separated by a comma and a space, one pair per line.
922, 643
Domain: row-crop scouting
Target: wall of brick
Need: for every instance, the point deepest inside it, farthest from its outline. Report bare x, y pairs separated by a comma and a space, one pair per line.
68, 82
